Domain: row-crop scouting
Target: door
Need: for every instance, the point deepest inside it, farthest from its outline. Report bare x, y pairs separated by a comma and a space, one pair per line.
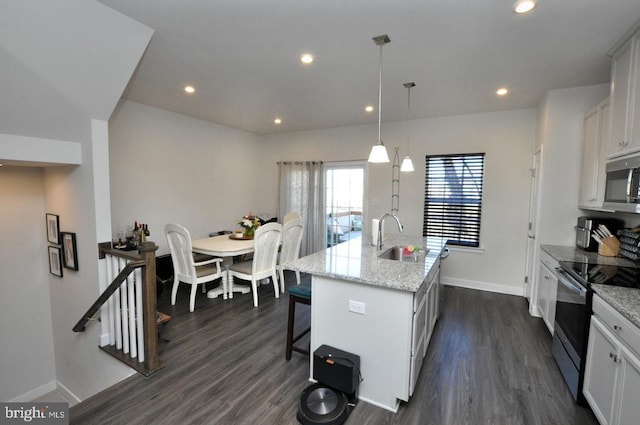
628, 411
531, 233
344, 200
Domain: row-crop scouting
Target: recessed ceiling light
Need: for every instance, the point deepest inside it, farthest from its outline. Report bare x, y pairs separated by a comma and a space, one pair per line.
502, 91
189, 89
368, 108
277, 121
524, 6
306, 58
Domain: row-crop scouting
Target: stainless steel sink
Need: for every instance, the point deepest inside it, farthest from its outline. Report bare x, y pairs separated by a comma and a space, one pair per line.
393, 253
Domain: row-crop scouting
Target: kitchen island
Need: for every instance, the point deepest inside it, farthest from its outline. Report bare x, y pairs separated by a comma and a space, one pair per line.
380, 309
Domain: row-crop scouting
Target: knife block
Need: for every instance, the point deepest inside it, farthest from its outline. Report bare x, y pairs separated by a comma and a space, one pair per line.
609, 247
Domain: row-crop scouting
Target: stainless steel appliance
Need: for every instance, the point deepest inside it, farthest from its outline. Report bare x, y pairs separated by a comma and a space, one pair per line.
622, 190
573, 312
586, 225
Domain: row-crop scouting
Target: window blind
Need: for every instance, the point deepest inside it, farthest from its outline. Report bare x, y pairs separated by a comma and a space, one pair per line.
453, 198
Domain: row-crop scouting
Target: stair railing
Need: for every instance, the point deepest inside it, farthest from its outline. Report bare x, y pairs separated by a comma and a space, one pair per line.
128, 305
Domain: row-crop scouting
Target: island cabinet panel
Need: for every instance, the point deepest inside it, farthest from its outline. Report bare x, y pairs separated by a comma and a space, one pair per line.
390, 334
381, 336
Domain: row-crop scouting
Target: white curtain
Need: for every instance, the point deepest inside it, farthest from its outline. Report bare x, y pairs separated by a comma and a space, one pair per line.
301, 191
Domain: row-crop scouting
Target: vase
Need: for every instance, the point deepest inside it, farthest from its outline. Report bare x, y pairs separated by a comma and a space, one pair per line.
248, 233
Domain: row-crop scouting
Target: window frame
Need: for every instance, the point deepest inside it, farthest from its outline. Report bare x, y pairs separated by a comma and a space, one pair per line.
462, 228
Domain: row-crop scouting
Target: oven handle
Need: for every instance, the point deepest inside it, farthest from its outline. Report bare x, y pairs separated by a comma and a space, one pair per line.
569, 282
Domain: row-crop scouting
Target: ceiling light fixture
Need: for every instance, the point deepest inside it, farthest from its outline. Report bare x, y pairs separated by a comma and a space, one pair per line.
306, 58
277, 121
502, 91
189, 89
524, 6
368, 108
407, 164
378, 152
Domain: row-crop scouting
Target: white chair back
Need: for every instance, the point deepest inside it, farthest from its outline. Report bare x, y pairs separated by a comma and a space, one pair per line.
266, 242
290, 216
291, 240
179, 241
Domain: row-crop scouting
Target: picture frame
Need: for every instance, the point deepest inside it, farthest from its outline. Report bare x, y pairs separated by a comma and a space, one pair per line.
69, 250
53, 228
55, 261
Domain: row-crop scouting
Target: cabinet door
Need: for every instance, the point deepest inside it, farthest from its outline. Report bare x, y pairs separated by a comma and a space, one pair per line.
603, 144
628, 408
621, 70
547, 287
600, 371
634, 103
590, 151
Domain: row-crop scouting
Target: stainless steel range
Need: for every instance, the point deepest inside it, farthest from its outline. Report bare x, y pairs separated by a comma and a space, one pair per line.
573, 312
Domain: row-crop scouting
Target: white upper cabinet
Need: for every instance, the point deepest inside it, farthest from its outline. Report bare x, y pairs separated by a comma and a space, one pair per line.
594, 156
625, 100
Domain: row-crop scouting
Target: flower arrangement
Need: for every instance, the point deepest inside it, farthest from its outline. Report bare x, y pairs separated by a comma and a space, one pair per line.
249, 224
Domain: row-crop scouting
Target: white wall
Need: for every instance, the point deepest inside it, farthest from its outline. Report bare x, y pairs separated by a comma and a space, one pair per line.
206, 176
507, 138
170, 168
73, 61
27, 367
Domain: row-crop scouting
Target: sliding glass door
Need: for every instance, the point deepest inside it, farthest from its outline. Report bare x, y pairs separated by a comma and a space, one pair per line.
344, 200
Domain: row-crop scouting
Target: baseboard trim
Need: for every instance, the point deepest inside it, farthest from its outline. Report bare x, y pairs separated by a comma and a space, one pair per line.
66, 393
35, 393
483, 286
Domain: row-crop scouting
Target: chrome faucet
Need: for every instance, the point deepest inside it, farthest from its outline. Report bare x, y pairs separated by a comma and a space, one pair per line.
385, 215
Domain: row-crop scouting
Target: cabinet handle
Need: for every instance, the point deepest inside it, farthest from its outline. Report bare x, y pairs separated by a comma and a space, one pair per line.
615, 358
617, 328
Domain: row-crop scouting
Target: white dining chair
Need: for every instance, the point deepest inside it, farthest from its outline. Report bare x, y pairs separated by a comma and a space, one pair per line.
290, 216
266, 242
185, 268
291, 240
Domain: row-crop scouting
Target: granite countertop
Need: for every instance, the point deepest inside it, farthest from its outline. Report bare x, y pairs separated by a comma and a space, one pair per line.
624, 300
357, 261
572, 253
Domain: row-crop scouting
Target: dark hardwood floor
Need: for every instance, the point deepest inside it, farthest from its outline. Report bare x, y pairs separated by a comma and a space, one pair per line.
489, 362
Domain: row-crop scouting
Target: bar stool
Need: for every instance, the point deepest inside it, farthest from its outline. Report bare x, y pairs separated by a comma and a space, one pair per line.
297, 294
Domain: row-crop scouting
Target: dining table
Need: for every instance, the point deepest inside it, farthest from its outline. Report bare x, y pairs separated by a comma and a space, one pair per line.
224, 246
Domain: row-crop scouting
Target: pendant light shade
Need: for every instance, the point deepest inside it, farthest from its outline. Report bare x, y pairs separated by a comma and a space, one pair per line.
379, 151
407, 164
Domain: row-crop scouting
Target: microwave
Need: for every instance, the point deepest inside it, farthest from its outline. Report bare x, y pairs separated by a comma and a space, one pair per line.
622, 190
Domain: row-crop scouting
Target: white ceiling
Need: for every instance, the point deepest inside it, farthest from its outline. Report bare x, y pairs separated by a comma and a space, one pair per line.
242, 57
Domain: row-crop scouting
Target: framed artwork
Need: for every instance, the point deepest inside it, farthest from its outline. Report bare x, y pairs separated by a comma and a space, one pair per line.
70, 252
53, 228
55, 261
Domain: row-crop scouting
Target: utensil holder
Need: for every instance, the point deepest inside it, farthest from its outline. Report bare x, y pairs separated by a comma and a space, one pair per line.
609, 247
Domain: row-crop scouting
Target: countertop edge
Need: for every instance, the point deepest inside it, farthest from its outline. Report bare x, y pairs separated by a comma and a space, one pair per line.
625, 301
357, 261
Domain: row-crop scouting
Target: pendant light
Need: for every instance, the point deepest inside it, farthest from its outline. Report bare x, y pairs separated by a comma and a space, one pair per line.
407, 164
379, 151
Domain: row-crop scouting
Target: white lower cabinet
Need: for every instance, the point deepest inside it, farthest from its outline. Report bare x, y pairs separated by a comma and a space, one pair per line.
612, 371
424, 321
390, 334
547, 284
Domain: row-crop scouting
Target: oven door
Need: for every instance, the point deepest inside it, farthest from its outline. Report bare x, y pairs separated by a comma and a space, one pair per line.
572, 315
571, 331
